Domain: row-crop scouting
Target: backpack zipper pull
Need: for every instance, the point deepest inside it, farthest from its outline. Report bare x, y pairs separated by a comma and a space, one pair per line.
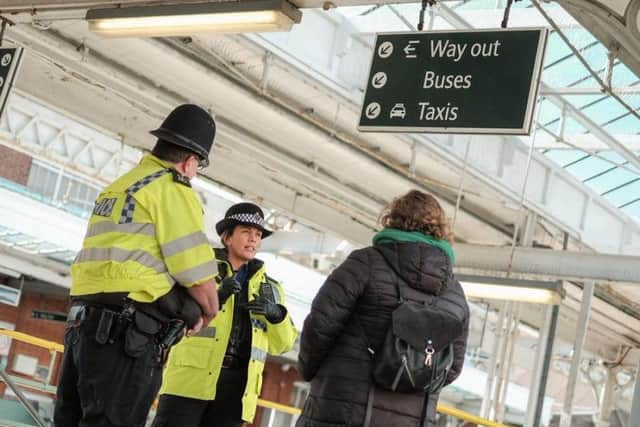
428, 351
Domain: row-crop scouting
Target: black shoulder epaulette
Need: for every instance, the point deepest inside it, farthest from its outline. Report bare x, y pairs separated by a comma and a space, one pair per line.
179, 178
271, 279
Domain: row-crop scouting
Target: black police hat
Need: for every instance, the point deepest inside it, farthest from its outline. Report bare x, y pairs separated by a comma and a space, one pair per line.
243, 214
190, 127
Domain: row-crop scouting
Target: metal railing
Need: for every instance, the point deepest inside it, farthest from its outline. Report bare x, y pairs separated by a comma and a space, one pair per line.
273, 408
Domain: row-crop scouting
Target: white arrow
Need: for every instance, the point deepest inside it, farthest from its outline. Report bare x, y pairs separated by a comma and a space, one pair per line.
379, 80
385, 49
373, 110
409, 49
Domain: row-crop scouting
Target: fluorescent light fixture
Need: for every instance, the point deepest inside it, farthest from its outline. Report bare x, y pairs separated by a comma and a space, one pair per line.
183, 19
497, 288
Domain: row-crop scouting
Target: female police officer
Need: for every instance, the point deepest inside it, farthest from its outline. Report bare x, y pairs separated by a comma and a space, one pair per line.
214, 378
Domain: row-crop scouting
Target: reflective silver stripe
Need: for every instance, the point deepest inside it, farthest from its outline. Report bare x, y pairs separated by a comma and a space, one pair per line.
257, 354
208, 332
170, 278
130, 228
121, 255
273, 285
196, 273
183, 243
276, 294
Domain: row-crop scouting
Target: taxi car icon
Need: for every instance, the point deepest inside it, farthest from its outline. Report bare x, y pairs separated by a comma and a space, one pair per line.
398, 110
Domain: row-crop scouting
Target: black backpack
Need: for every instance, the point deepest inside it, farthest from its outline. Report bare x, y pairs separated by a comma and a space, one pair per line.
417, 352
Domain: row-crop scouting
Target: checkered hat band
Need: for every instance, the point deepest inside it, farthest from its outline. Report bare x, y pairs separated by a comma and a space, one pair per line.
249, 218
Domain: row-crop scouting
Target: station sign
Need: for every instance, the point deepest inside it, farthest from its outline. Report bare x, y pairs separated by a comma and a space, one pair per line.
479, 82
10, 59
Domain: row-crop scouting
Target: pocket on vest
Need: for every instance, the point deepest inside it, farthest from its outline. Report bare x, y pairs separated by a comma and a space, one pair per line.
191, 356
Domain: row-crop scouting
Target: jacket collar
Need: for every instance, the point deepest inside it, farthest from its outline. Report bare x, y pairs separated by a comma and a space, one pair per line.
153, 160
224, 267
396, 235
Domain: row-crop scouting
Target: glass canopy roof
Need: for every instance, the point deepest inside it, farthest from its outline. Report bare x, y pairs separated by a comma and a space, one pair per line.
566, 142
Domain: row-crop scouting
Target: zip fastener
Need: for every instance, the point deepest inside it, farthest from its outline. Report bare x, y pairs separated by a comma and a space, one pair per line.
429, 350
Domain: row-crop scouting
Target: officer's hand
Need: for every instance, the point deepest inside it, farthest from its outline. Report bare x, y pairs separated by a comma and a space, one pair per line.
228, 287
196, 328
274, 313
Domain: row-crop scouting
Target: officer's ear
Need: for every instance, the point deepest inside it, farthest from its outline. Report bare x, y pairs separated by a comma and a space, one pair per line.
225, 236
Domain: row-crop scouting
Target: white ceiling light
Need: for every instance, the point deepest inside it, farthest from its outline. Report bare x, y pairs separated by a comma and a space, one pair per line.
496, 288
623, 377
191, 18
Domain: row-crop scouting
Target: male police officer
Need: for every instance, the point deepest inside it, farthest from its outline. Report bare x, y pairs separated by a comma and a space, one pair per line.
214, 378
146, 269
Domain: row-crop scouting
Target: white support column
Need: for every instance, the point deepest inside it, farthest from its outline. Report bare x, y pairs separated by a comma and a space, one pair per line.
493, 360
635, 402
581, 334
505, 342
536, 390
606, 400
514, 332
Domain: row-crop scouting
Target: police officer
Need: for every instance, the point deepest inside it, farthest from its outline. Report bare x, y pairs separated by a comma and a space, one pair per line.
145, 270
215, 377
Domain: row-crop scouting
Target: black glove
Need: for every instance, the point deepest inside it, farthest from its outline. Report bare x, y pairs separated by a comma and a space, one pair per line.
274, 313
229, 286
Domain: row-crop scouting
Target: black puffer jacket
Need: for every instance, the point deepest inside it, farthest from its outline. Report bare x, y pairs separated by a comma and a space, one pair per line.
360, 295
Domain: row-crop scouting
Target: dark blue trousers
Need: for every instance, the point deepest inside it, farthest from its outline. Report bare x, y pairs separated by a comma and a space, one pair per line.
101, 386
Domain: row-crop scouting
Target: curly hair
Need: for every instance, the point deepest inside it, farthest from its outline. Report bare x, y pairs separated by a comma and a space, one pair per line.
417, 211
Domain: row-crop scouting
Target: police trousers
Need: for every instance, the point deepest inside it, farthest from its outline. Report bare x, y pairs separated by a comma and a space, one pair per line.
224, 411
102, 386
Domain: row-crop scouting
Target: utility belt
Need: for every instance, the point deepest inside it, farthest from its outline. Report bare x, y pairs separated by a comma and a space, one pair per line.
110, 323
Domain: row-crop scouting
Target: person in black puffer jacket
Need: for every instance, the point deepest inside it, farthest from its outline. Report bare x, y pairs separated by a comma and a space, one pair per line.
358, 298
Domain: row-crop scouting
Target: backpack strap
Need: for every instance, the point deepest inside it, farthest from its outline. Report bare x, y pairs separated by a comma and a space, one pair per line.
402, 296
369, 412
426, 406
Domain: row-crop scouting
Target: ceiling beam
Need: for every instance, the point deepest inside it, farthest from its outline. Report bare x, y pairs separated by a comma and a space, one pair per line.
555, 264
29, 6
551, 263
26, 6
592, 127
586, 142
572, 90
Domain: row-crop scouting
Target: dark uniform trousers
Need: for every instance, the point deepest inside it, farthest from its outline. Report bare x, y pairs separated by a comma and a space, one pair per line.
224, 411
100, 385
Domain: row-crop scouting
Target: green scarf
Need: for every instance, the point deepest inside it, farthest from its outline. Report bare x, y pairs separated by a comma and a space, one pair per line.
396, 235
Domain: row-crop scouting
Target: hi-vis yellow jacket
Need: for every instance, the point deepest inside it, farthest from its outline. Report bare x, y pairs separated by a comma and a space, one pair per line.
194, 364
145, 234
